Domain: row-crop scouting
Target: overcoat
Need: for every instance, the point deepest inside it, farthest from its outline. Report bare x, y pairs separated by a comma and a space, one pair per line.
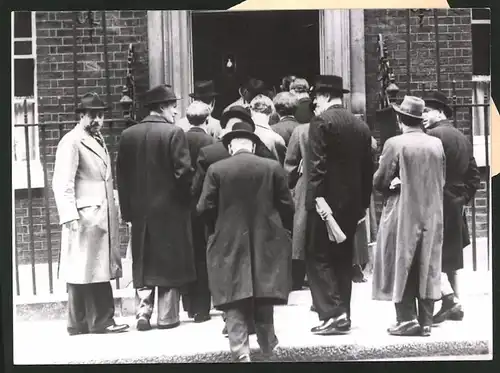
462, 182
249, 255
412, 215
154, 175
213, 126
297, 157
274, 142
303, 113
83, 191
285, 128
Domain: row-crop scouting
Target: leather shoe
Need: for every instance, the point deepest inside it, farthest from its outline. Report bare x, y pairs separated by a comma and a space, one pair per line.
143, 324
268, 352
244, 359
200, 317
405, 328
78, 332
452, 311
169, 326
115, 328
334, 325
425, 331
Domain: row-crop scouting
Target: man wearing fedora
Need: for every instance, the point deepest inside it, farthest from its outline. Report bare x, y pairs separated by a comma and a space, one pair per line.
204, 91
211, 154
247, 200
154, 177
462, 182
90, 246
407, 263
340, 170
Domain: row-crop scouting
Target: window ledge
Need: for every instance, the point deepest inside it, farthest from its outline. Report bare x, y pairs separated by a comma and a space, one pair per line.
20, 177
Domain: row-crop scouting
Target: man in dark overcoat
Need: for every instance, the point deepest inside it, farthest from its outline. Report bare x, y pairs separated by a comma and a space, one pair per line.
210, 154
340, 171
462, 182
285, 104
154, 176
197, 301
246, 198
303, 112
90, 246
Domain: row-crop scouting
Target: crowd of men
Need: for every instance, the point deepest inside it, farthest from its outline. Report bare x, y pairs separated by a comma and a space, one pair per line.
228, 213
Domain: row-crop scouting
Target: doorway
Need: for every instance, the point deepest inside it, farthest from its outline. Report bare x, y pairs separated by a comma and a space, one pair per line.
230, 47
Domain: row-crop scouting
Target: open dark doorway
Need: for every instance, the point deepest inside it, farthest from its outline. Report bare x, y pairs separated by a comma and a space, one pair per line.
261, 44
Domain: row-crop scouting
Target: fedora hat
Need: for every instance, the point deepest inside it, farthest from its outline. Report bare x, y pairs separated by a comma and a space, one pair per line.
254, 87
438, 99
239, 112
240, 130
204, 88
159, 94
329, 83
90, 101
411, 107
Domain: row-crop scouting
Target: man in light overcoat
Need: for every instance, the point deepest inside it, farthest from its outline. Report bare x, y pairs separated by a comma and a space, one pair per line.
90, 246
154, 177
247, 200
407, 265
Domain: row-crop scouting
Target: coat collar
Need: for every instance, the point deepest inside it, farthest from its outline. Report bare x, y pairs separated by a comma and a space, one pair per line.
288, 118
154, 118
91, 143
441, 123
413, 130
196, 129
242, 151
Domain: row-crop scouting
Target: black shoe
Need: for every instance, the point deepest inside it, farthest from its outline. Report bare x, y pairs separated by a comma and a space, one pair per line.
201, 317
143, 324
78, 332
115, 328
170, 326
425, 331
191, 315
224, 331
405, 328
312, 309
451, 311
357, 275
333, 325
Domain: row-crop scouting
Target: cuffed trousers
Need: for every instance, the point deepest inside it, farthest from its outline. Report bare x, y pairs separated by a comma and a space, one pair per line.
91, 307
168, 304
237, 319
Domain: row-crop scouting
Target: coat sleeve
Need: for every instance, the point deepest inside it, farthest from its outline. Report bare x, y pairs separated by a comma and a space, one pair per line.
179, 155
292, 160
388, 167
199, 175
122, 183
367, 172
317, 162
472, 180
281, 149
209, 199
63, 181
283, 198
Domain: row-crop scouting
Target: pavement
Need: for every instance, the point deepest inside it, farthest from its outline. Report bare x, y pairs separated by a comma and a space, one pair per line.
190, 342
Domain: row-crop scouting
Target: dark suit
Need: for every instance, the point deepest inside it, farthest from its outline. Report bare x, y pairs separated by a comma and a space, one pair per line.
303, 113
197, 301
285, 127
462, 182
247, 200
341, 171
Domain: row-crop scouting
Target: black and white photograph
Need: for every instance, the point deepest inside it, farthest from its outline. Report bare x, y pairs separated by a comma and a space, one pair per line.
195, 186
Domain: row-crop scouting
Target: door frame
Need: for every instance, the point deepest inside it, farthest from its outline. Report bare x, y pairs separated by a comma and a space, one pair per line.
341, 38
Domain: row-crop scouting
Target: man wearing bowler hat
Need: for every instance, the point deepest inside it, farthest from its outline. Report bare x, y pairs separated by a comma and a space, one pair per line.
340, 170
154, 176
247, 201
407, 264
462, 182
204, 91
90, 246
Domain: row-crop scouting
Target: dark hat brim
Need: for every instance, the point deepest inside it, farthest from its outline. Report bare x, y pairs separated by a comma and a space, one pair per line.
399, 111
81, 109
173, 99
228, 137
203, 95
327, 89
446, 108
229, 114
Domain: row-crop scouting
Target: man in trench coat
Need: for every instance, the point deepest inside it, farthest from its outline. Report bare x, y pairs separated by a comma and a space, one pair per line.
340, 170
211, 154
407, 265
462, 182
247, 200
90, 246
154, 177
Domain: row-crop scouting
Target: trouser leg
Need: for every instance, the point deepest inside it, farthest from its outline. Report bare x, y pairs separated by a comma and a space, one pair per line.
263, 316
236, 321
342, 267
453, 280
425, 312
406, 310
201, 293
168, 306
144, 301
298, 273
77, 322
446, 288
100, 306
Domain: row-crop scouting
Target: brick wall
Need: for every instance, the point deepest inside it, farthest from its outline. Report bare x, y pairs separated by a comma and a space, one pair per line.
56, 99
455, 56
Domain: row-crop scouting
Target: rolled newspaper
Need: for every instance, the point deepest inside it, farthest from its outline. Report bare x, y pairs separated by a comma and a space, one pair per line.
335, 234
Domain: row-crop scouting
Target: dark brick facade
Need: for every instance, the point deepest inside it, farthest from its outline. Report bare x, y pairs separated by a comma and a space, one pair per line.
455, 57
56, 86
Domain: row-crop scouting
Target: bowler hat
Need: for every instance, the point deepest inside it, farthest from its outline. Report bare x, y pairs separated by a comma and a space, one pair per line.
439, 99
203, 89
159, 94
329, 83
239, 112
411, 106
254, 87
240, 130
90, 101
